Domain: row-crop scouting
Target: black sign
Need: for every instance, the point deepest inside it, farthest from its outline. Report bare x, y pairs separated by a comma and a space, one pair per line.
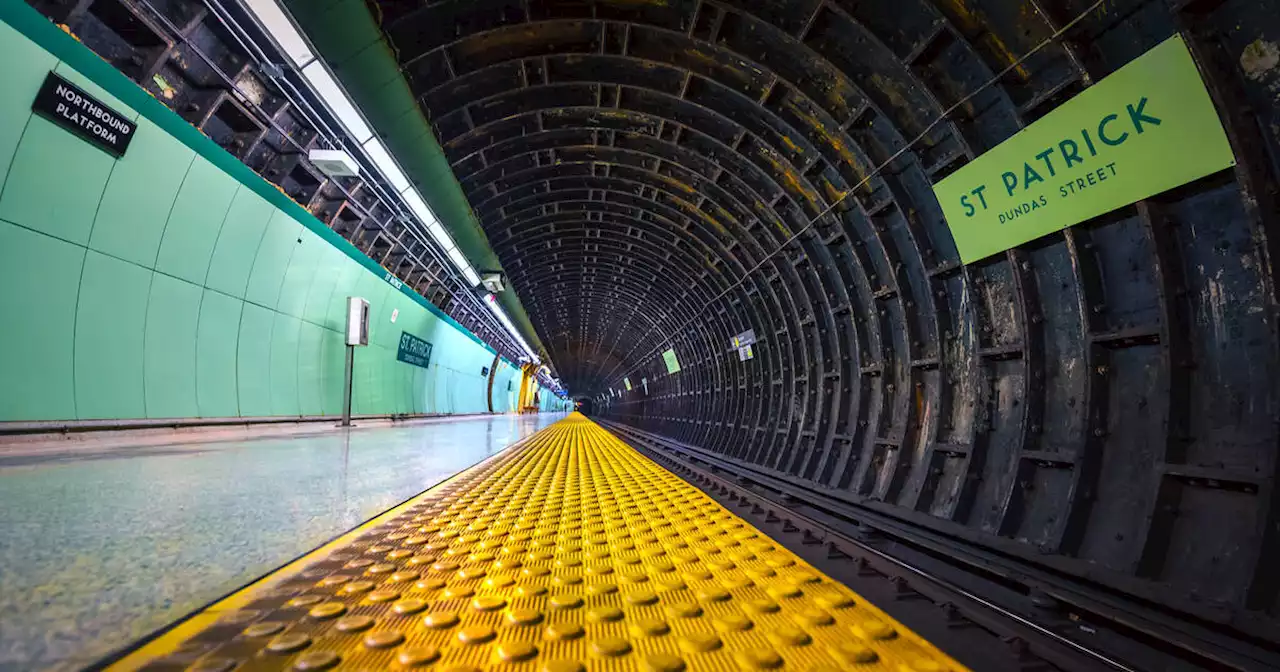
68, 106
414, 350
484, 370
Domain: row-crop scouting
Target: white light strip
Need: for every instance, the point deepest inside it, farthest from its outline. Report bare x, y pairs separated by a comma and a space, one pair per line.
419, 208
456, 256
491, 300
390, 170
471, 276
281, 28
332, 95
440, 235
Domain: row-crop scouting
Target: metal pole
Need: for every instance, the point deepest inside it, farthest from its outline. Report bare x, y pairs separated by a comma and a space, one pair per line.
346, 387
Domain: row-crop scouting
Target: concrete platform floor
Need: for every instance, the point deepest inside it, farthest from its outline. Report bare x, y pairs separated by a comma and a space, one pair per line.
101, 547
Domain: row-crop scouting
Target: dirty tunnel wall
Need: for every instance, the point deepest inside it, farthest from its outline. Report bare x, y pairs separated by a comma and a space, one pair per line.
174, 283
659, 175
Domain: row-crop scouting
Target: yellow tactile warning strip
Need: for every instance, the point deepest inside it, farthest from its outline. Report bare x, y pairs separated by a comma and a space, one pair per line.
569, 552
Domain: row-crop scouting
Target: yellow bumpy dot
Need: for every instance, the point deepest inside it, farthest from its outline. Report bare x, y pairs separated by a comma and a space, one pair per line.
650, 627
874, 630
327, 610
416, 656
354, 623
610, 646
732, 622
524, 616
412, 605
663, 662
854, 653
759, 659
488, 603
700, 642
564, 631
789, 635
383, 640
440, 619
514, 652
606, 614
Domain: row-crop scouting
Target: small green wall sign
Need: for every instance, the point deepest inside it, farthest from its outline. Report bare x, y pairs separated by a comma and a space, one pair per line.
1147, 128
669, 358
414, 350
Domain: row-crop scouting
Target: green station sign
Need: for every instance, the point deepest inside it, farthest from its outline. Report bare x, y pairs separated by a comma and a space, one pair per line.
669, 358
414, 350
1147, 128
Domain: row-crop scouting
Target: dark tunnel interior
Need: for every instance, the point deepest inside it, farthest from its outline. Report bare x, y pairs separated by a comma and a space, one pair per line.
669, 174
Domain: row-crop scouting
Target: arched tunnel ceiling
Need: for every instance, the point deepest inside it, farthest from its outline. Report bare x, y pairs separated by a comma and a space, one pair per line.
630, 161
672, 173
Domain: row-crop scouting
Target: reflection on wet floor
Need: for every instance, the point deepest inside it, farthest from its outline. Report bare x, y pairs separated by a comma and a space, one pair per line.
98, 551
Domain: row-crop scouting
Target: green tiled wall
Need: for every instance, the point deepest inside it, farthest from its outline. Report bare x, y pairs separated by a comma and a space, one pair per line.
159, 285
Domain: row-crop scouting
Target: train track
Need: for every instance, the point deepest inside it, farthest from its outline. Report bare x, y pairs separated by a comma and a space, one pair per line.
991, 612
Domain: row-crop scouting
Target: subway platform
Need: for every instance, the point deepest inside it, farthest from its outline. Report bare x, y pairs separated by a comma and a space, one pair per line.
568, 551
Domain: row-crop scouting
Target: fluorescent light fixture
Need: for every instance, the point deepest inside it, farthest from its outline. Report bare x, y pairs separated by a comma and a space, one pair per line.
418, 207
440, 235
456, 256
423, 213
491, 300
333, 96
390, 170
282, 30
334, 162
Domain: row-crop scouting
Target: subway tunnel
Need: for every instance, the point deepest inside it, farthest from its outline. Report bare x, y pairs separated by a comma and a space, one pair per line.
716, 228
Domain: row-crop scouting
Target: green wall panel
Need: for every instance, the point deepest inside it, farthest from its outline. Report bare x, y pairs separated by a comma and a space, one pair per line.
140, 194
39, 276
110, 319
284, 365
217, 347
174, 283
25, 67
332, 361
253, 360
58, 197
276, 248
328, 270
366, 369
237, 244
310, 370
404, 391
173, 318
195, 221
303, 266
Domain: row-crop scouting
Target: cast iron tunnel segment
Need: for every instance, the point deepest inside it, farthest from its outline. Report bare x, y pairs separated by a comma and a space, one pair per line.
570, 551
1099, 403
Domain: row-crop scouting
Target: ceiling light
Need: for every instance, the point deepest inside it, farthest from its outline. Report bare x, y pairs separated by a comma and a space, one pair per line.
282, 30
491, 300
334, 162
418, 207
493, 282
390, 170
456, 256
333, 96
440, 235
